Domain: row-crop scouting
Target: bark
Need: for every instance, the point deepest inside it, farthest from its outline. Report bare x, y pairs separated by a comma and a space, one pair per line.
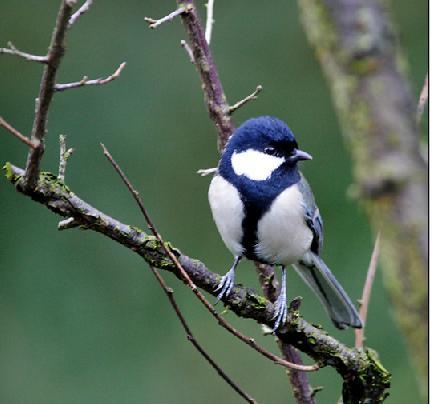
357, 48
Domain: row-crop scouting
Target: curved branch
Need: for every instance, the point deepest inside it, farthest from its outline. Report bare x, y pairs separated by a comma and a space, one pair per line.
363, 375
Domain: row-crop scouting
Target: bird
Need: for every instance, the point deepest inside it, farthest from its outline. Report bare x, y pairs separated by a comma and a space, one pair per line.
264, 210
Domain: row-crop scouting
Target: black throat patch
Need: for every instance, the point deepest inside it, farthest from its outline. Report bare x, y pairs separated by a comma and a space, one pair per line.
257, 198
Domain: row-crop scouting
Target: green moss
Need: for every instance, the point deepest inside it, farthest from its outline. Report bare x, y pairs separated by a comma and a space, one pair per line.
259, 302
53, 182
9, 173
311, 340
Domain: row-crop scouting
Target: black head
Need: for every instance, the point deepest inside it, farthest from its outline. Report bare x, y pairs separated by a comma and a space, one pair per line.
267, 135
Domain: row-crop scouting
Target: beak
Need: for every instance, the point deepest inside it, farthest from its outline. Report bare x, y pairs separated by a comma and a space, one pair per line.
301, 155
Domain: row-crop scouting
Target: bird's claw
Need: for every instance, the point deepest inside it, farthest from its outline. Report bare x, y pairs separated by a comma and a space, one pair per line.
280, 312
226, 284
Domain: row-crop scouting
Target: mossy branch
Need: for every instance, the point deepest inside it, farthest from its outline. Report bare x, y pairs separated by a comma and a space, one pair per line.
364, 377
357, 47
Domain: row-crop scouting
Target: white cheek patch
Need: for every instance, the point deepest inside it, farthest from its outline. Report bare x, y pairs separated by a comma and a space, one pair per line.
255, 165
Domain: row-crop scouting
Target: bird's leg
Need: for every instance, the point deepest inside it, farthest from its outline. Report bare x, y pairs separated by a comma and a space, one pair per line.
228, 280
280, 304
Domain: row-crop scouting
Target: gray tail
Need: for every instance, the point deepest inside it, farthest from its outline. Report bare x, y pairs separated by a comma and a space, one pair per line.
332, 295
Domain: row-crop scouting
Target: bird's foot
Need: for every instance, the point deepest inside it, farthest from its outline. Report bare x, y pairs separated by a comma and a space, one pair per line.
226, 284
280, 311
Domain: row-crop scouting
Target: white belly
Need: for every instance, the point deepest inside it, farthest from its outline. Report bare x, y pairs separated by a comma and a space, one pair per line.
283, 236
228, 213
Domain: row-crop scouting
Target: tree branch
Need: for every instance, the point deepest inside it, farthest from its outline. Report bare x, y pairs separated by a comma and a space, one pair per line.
12, 50
156, 23
220, 113
364, 377
46, 91
301, 389
63, 158
209, 20
215, 98
16, 133
86, 82
188, 50
358, 50
252, 96
365, 299
82, 10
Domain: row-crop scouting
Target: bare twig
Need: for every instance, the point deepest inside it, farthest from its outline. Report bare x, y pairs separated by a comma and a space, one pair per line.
83, 9
16, 133
68, 223
86, 82
155, 23
186, 278
242, 102
188, 50
46, 91
12, 50
371, 272
207, 171
64, 156
170, 295
423, 97
209, 20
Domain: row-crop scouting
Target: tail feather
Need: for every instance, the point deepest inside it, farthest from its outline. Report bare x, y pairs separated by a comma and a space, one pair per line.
332, 295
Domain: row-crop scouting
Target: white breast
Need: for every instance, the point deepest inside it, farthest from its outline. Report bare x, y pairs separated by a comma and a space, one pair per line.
283, 236
255, 165
228, 213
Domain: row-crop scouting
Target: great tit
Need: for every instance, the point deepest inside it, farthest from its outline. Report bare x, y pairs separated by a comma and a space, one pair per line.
264, 210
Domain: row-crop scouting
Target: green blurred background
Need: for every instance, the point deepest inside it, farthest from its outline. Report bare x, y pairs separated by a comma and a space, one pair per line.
82, 319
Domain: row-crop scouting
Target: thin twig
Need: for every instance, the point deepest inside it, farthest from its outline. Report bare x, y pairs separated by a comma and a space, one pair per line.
423, 97
16, 133
68, 223
83, 9
242, 102
209, 20
86, 82
12, 50
64, 156
207, 171
170, 295
155, 23
371, 272
188, 50
249, 341
55, 53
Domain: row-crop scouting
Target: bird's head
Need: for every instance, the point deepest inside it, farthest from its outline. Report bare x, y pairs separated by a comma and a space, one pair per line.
260, 146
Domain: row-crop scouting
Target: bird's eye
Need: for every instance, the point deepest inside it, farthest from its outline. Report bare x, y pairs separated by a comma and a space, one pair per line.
271, 151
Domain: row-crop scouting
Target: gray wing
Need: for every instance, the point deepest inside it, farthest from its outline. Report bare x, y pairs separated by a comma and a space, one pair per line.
312, 215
